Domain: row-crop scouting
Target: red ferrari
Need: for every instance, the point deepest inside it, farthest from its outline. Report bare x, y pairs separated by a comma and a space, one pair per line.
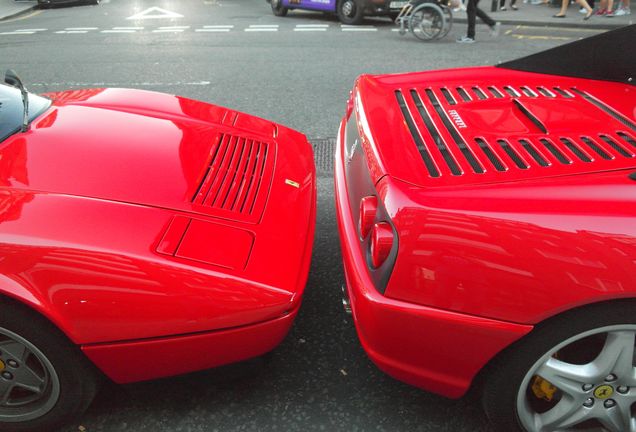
142, 235
487, 219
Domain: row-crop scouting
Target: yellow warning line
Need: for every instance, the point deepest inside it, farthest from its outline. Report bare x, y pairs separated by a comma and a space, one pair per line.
32, 14
520, 36
519, 27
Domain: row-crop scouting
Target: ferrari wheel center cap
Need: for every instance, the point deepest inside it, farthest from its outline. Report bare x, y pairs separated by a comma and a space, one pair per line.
1, 366
604, 391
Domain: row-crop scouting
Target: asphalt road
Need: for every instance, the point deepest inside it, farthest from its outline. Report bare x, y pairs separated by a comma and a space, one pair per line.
319, 378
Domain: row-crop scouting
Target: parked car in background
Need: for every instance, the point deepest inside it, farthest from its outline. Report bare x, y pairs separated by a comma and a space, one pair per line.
348, 11
142, 235
45, 3
487, 219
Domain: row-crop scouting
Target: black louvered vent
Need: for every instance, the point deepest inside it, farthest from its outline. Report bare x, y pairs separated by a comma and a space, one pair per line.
450, 148
235, 176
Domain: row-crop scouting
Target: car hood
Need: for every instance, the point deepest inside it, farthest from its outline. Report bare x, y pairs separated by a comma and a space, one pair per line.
491, 125
144, 148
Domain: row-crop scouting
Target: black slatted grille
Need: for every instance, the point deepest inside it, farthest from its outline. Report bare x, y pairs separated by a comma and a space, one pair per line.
500, 153
234, 177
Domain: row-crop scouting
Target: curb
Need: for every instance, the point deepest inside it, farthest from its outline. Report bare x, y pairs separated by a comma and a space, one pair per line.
17, 14
585, 25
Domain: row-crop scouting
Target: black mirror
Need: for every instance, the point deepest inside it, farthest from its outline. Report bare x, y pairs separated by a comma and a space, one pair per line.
12, 78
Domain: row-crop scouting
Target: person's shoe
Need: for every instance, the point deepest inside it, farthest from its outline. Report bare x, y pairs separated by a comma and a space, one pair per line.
600, 12
465, 40
558, 16
582, 11
588, 16
514, 7
503, 8
609, 14
622, 12
494, 30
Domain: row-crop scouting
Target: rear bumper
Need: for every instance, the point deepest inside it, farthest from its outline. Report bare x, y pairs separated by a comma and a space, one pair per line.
437, 350
133, 361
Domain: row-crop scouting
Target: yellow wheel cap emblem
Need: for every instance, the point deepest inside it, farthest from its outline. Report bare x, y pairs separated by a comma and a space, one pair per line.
604, 391
1, 365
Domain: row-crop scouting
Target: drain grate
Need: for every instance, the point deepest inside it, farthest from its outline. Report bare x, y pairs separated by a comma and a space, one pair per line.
324, 150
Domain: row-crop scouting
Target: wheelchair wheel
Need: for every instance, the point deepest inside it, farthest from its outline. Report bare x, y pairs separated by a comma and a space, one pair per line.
448, 15
427, 21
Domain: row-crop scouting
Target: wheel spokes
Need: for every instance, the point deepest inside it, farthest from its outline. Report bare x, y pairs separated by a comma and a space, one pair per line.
566, 413
567, 377
616, 357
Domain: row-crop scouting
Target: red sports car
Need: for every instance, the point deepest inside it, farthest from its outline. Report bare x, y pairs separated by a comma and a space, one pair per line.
487, 219
141, 235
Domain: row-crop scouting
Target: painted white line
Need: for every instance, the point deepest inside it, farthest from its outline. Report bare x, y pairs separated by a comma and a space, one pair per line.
264, 26
158, 14
174, 27
168, 31
120, 84
220, 30
310, 29
81, 28
118, 31
31, 30
396, 30
60, 32
218, 26
261, 29
128, 28
346, 29
76, 31
17, 33
312, 25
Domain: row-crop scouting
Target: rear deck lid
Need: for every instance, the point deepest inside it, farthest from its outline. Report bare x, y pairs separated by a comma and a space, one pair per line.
488, 125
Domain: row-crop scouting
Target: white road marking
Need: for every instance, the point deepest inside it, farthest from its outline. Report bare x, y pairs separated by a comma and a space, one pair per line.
303, 29
154, 13
81, 28
174, 28
128, 28
118, 31
264, 29
31, 30
212, 30
218, 26
168, 31
120, 84
76, 31
312, 25
264, 26
395, 30
17, 33
359, 29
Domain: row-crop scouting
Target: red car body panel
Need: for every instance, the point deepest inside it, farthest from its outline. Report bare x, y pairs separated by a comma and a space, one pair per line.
128, 215
510, 199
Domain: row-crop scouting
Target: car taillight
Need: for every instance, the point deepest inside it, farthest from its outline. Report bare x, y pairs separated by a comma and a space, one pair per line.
381, 243
368, 210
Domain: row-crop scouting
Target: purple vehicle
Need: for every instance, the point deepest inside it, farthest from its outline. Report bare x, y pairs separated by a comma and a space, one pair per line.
348, 11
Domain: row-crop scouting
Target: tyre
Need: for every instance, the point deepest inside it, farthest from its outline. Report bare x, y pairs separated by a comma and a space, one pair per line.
575, 372
277, 8
427, 21
45, 381
350, 12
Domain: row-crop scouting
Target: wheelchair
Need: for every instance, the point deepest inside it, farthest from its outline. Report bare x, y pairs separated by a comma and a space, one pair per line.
426, 19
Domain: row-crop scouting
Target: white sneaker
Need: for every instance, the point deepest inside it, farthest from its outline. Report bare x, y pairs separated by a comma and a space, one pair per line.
465, 40
622, 11
582, 11
494, 30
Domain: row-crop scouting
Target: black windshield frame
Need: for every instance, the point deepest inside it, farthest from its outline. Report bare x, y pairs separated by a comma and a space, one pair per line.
12, 110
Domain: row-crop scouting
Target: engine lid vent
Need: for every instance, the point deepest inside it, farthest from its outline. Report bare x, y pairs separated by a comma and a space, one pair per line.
237, 179
509, 132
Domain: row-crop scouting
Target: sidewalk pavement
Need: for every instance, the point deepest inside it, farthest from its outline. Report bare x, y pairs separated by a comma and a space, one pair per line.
11, 8
528, 14
541, 16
